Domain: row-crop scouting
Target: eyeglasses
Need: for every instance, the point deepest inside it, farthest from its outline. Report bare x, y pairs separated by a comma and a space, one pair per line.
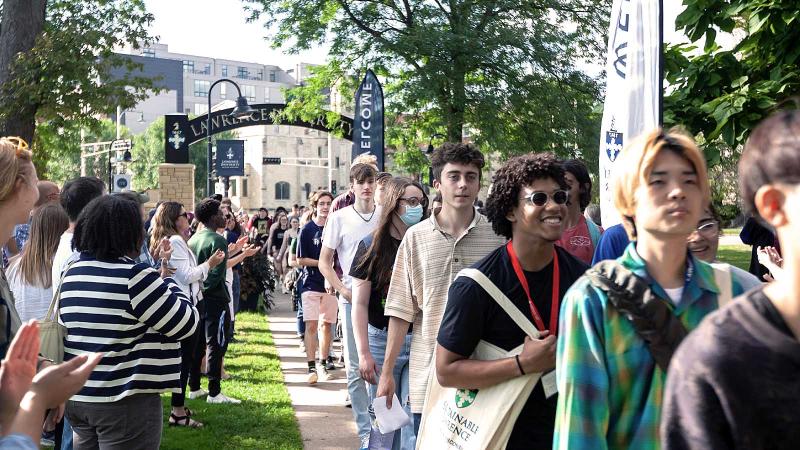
412, 201
540, 198
708, 228
17, 142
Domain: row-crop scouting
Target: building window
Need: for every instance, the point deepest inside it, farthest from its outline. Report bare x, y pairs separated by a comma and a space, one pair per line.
148, 53
260, 74
272, 76
242, 72
200, 109
249, 92
266, 95
319, 151
201, 88
281, 190
243, 190
224, 70
222, 90
206, 69
188, 66
187, 111
307, 189
337, 161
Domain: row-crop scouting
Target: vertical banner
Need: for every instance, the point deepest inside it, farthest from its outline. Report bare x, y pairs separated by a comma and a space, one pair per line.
230, 158
633, 87
368, 120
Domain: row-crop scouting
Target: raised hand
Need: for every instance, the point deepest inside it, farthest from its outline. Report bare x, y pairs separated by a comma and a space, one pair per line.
19, 365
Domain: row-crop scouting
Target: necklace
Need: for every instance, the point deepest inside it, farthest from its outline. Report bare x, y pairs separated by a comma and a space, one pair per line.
374, 207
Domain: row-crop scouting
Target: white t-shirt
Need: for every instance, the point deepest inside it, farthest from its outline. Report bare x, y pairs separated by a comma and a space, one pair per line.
31, 301
675, 295
64, 255
344, 229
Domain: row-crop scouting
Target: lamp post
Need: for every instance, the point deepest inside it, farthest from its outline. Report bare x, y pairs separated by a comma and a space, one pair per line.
126, 158
428, 154
242, 109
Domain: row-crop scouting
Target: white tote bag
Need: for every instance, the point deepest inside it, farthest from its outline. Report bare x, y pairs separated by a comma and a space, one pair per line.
477, 419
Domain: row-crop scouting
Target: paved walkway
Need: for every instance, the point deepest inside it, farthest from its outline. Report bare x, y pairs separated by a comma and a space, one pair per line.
325, 423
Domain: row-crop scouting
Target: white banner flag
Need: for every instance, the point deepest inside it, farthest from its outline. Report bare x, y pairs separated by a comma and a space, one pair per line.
632, 89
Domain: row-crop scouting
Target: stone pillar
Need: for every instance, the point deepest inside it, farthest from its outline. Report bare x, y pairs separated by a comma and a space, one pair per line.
176, 183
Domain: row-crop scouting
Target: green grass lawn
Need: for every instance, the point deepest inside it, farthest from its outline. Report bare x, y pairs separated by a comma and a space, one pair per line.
264, 420
736, 255
731, 231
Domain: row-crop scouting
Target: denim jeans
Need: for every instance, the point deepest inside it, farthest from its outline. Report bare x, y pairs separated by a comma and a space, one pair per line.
236, 290
66, 436
406, 438
356, 386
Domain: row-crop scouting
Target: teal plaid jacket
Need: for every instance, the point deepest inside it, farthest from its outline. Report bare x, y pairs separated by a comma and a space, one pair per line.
610, 389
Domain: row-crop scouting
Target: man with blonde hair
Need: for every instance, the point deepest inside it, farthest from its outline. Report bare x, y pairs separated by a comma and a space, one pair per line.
621, 321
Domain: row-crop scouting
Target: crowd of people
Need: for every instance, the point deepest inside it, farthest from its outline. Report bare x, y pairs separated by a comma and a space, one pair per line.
562, 334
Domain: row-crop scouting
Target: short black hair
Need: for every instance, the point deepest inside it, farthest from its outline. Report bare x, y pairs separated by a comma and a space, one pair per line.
217, 197
578, 169
509, 180
109, 227
771, 155
77, 193
206, 209
458, 153
279, 209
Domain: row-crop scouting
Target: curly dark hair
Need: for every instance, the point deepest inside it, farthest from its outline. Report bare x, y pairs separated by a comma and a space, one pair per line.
109, 227
578, 170
509, 180
206, 209
458, 153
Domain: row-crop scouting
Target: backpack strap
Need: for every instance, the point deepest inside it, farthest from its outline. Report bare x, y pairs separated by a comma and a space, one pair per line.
594, 233
502, 300
651, 317
724, 280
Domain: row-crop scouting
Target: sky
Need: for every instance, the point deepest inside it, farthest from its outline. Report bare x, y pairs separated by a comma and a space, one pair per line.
218, 29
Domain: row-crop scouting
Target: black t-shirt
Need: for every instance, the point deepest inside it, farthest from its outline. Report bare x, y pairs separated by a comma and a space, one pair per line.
377, 297
473, 315
277, 238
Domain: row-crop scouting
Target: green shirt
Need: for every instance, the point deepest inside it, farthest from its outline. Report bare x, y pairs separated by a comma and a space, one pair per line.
203, 244
610, 389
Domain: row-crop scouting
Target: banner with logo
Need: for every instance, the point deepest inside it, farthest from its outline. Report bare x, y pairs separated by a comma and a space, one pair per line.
368, 119
230, 158
633, 87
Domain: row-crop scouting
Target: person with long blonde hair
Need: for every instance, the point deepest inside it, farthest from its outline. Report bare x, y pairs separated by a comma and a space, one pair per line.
171, 222
30, 272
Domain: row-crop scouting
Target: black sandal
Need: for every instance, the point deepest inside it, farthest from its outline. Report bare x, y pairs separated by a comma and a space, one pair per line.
183, 421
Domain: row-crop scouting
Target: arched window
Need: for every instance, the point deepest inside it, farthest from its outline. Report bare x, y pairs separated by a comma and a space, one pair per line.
307, 188
281, 190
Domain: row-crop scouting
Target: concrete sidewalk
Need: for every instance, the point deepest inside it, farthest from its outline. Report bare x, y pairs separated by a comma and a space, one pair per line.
325, 423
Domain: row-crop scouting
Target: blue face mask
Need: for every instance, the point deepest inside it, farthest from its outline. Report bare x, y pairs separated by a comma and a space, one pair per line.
412, 215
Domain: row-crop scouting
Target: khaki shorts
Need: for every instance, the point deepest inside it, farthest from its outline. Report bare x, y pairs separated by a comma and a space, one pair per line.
319, 306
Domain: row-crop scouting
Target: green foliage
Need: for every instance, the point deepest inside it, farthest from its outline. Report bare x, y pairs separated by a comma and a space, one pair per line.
57, 149
736, 255
725, 93
148, 153
67, 76
505, 69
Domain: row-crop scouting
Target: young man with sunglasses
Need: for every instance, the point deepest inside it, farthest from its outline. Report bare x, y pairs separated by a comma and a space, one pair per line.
528, 204
620, 323
431, 253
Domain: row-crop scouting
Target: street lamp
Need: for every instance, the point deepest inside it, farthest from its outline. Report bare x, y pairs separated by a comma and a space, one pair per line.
126, 158
428, 154
241, 110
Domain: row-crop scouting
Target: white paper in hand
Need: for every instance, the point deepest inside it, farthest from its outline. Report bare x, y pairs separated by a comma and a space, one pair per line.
389, 419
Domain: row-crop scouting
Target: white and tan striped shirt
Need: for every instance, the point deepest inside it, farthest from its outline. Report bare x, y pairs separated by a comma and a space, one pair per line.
427, 262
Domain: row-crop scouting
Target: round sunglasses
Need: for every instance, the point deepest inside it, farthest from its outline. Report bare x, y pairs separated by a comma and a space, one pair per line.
540, 198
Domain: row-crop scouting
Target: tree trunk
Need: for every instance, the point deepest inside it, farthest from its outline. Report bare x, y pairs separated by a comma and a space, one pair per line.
22, 22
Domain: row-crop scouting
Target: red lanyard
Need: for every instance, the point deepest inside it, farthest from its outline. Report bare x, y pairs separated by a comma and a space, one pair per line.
537, 318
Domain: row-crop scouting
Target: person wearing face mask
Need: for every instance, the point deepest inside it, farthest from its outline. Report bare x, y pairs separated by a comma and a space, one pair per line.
404, 205
704, 242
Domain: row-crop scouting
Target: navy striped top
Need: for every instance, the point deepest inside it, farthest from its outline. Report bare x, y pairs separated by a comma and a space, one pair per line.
126, 311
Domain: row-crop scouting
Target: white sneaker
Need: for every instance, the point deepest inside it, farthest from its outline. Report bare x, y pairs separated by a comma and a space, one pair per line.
197, 394
222, 398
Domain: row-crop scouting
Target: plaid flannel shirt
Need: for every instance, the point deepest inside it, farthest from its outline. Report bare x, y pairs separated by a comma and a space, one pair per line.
610, 389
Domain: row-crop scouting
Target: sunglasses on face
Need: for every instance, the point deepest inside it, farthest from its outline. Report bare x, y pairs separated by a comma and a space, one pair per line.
540, 198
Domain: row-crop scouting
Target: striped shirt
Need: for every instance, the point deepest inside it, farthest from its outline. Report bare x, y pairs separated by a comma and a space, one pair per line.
610, 389
126, 311
427, 262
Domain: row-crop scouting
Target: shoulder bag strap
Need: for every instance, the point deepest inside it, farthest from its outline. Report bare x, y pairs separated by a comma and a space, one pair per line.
501, 299
594, 233
56, 296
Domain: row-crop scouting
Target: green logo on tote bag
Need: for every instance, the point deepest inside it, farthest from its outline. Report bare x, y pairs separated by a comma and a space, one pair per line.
465, 397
